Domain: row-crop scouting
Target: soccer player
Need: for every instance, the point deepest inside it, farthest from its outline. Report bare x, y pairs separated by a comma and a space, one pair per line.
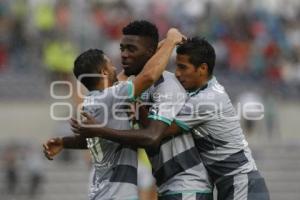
176, 164
211, 117
114, 174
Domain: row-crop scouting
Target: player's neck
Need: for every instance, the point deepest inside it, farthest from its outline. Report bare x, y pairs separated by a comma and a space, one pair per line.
203, 82
122, 76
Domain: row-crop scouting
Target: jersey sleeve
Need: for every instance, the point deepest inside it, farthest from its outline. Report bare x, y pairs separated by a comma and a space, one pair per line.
167, 101
198, 110
110, 97
121, 92
110, 102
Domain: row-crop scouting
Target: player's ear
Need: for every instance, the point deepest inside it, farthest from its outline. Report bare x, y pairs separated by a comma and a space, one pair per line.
151, 51
104, 71
203, 69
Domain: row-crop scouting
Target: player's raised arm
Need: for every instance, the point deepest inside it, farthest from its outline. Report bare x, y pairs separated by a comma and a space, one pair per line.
157, 63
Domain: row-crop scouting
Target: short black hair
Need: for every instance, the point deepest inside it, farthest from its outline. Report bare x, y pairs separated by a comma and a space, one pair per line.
89, 62
199, 51
143, 28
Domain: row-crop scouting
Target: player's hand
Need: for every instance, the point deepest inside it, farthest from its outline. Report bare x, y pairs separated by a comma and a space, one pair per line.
175, 36
52, 147
81, 128
87, 119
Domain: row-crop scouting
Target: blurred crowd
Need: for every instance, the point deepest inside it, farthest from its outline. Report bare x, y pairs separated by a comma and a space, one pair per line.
21, 170
254, 40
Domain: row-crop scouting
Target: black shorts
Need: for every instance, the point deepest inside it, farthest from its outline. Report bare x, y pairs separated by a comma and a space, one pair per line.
183, 196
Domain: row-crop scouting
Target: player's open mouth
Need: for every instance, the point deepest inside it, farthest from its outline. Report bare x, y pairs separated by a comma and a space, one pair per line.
125, 65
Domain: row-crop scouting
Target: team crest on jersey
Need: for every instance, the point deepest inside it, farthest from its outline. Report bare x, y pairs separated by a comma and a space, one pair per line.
154, 110
145, 96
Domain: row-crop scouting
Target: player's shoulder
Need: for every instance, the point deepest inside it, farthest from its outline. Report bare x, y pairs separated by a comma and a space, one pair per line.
92, 101
92, 95
168, 81
213, 91
116, 91
168, 87
169, 76
215, 86
118, 85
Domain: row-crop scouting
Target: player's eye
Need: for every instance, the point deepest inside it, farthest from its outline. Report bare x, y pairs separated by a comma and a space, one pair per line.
131, 49
181, 66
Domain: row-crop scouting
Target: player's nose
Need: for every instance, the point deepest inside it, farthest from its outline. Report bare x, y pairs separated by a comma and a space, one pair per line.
124, 54
177, 73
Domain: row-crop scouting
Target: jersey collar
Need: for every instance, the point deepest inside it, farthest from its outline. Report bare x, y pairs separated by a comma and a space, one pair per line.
193, 93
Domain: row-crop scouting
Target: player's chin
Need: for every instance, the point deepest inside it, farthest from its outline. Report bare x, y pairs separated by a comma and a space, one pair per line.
184, 84
129, 71
125, 67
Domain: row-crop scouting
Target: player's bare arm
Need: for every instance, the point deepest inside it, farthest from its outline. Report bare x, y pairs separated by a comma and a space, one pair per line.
157, 63
145, 138
55, 145
149, 137
145, 122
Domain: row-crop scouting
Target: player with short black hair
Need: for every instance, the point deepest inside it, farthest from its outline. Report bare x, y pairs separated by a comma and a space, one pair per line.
199, 51
89, 62
210, 116
143, 28
138, 44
